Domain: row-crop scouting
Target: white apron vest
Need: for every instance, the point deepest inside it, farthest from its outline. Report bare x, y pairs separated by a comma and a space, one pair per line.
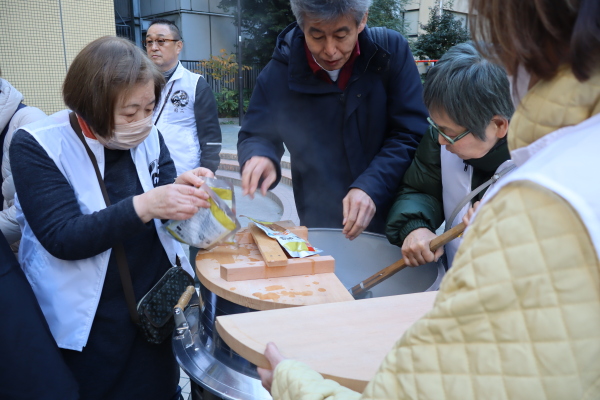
69, 291
456, 185
565, 162
177, 122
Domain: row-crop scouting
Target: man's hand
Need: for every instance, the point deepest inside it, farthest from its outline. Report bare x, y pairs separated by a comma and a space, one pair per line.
256, 169
170, 202
193, 177
415, 249
359, 209
467, 217
274, 356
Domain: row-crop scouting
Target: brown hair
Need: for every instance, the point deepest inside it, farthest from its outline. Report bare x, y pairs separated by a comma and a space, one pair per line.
101, 74
541, 35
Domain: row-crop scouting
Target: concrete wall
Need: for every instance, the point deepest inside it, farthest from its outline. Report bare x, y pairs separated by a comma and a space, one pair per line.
206, 29
196, 32
41, 38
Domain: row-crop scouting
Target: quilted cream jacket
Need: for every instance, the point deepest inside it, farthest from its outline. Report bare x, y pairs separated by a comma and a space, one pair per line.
518, 315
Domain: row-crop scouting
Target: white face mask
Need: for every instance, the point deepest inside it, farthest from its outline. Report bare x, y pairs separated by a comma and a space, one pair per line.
519, 89
127, 136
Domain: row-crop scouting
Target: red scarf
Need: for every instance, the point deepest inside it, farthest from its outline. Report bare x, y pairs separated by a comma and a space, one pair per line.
345, 72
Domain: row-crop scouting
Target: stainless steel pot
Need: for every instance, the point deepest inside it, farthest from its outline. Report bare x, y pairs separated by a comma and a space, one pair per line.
223, 374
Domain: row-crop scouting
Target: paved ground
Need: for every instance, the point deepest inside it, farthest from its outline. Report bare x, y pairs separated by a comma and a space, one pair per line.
260, 207
230, 137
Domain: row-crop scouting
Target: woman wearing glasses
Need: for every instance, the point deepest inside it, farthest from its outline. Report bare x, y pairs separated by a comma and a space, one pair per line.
470, 107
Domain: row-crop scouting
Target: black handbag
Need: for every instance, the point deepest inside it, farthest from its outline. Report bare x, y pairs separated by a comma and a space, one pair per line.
155, 309
154, 312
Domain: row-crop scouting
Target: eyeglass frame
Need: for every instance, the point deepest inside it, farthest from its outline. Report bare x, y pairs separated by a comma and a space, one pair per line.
157, 41
448, 138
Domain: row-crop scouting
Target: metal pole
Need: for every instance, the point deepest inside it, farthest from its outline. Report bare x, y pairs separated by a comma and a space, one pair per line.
141, 26
240, 69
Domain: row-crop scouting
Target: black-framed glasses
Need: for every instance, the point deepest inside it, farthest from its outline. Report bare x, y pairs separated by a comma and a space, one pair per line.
159, 42
448, 138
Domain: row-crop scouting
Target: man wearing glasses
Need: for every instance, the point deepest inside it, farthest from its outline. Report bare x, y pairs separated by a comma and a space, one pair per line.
461, 155
187, 113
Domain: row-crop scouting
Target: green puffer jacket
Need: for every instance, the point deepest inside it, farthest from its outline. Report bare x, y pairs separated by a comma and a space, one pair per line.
419, 202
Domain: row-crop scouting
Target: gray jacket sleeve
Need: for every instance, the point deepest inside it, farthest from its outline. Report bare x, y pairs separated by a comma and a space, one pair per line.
8, 223
207, 126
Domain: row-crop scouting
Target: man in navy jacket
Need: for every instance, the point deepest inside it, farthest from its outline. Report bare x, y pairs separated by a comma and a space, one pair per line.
347, 102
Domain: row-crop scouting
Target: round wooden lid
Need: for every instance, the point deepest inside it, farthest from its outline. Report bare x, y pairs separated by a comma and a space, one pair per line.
265, 294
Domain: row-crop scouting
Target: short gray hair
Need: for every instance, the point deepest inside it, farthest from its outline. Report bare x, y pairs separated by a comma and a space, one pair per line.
469, 88
329, 10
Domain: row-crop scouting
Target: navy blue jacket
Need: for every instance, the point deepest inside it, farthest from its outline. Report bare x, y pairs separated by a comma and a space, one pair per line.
31, 365
362, 137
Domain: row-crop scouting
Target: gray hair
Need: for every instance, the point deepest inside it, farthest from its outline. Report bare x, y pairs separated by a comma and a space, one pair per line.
469, 88
329, 10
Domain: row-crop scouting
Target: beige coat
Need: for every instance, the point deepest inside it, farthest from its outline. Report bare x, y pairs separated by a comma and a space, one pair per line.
518, 315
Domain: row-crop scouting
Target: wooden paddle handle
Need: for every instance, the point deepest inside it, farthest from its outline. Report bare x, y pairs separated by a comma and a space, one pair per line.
185, 298
390, 270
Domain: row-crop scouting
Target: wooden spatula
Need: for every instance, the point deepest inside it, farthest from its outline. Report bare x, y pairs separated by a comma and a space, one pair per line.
389, 271
269, 248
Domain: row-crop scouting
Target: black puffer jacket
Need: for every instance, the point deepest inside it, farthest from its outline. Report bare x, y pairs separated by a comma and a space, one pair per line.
362, 137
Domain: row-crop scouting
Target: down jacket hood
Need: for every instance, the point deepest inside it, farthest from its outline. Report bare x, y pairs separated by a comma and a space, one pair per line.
10, 98
284, 43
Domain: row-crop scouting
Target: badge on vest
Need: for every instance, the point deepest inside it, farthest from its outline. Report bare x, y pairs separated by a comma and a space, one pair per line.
153, 169
180, 99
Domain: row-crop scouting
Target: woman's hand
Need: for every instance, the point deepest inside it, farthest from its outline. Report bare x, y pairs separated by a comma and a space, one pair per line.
170, 202
415, 249
193, 177
274, 356
467, 217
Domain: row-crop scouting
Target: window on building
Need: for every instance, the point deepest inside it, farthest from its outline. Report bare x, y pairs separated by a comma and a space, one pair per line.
411, 21
462, 17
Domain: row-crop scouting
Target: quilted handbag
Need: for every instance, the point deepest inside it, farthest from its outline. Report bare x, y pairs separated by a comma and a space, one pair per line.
155, 309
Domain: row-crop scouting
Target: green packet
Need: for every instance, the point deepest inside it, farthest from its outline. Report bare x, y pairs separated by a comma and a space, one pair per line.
294, 245
209, 226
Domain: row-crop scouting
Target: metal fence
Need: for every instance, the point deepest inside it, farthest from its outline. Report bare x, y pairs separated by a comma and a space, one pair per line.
123, 18
228, 81
125, 31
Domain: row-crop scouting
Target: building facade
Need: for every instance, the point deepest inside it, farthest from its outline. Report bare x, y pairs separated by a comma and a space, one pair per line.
205, 28
417, 13
41, 38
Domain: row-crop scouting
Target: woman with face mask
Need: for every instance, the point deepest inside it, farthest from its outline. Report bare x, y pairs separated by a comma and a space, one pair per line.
111, 89
517, 316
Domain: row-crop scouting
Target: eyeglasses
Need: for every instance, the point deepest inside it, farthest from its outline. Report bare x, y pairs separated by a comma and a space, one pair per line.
159, 42
448, 138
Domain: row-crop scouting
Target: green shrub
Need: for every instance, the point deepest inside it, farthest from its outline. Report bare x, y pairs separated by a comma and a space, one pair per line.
227, 102
224, 68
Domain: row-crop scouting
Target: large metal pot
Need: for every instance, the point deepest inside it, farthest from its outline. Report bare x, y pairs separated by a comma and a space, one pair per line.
223, 374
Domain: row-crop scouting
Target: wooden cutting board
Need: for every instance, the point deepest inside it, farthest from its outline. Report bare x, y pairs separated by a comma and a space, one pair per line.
265, 294
344, 341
